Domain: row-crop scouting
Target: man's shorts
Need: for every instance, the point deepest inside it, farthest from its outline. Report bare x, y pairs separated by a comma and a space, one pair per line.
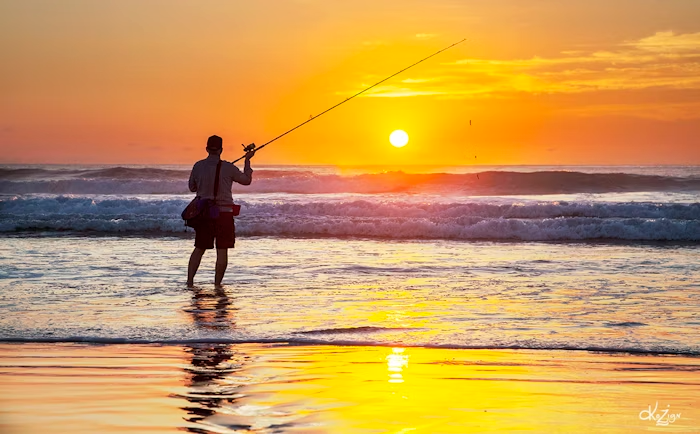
222, 229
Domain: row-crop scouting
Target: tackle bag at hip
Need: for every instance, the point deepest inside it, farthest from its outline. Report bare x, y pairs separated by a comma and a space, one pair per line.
199, 211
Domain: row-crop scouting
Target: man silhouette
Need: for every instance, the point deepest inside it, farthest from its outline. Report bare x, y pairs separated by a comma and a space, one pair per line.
221, 229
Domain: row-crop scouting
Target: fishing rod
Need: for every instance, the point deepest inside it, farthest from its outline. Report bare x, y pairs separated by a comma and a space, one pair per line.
252, 147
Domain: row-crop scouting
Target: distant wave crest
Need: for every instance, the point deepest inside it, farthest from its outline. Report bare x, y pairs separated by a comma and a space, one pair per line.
122, 180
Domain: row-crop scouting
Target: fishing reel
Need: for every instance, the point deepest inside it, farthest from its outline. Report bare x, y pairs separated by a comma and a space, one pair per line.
249, 148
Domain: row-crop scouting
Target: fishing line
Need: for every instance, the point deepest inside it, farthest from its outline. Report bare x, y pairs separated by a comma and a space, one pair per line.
252, 147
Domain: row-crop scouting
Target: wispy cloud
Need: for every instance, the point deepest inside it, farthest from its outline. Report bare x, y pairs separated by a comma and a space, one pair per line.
668, 42
398, 92
377, 43
417, 80
664, 60
426, 35
656, 111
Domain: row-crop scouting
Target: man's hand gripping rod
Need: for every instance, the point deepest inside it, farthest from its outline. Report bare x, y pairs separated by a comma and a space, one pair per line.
252, 147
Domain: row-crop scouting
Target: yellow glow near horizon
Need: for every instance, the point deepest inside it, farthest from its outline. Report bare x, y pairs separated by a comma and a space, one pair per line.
83, 85
399, 138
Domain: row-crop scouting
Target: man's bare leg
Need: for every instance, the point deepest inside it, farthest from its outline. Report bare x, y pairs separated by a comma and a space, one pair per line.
221, 264
195, 259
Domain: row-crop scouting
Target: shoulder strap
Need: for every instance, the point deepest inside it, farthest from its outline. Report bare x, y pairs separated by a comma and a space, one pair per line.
216, 180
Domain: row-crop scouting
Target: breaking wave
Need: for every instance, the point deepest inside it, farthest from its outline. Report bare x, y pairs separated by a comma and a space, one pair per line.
371, 218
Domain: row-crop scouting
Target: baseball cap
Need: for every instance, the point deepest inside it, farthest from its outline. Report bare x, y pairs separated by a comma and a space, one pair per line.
214, 143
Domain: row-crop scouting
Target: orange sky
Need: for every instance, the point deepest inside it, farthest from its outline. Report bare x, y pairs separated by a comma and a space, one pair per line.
543, 81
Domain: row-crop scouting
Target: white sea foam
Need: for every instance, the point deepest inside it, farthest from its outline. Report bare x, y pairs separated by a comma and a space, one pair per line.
371, 217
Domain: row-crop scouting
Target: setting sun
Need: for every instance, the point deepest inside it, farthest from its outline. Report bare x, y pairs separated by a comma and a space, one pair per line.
399, 138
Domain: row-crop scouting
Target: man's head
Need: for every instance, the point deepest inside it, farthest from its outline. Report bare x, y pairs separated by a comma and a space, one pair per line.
214, 145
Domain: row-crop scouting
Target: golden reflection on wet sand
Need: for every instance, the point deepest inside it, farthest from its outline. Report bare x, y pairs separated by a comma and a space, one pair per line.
214, 387
317, 389
396, 361
210, 363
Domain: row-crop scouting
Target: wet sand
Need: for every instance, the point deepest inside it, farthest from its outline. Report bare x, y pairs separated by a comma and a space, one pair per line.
220, 388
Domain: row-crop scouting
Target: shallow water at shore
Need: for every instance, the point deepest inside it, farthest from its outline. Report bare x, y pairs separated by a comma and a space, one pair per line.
613, 297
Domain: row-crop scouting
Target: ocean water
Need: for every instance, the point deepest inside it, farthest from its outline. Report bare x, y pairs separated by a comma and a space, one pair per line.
582, 258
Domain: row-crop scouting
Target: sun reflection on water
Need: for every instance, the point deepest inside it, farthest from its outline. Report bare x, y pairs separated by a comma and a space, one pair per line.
396, 362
